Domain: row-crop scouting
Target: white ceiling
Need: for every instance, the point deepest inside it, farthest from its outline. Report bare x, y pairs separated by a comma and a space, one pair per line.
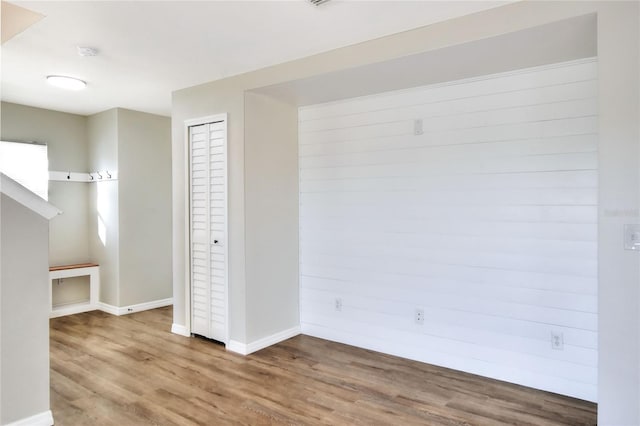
150, 48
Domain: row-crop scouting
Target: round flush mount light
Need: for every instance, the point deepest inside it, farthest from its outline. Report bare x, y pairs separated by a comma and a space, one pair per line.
65, 82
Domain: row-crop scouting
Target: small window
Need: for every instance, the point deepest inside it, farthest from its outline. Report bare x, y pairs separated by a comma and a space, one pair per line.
27, 164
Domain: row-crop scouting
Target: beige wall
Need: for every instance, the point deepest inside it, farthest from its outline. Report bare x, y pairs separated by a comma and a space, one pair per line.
271, 221
66, 138
617, 29
24, 274
618, 157
144, 204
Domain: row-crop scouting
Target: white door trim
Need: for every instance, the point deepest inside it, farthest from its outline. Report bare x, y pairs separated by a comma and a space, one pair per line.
187, 212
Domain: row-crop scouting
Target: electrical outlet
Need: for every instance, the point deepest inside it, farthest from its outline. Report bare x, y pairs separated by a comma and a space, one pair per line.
419, 317
338, 304
632, 237
557, 341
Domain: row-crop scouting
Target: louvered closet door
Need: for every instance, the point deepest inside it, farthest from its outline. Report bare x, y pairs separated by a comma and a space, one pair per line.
208, 230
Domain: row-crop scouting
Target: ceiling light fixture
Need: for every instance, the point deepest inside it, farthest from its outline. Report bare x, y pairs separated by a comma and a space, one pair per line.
65, 82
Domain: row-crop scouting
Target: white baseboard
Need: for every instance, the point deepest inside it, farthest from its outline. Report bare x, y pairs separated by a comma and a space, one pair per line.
42, 419
110, 309
248, 348
71, 309
124, 310
180, 329
237, 347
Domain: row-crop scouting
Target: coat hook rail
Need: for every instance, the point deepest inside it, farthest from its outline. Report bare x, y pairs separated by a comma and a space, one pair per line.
71, 176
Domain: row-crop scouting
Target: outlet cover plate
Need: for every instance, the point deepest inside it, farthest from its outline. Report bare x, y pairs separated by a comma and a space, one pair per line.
557, 341
632, 237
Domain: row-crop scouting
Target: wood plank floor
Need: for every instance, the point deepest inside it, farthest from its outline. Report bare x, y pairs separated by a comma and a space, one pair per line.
130, 370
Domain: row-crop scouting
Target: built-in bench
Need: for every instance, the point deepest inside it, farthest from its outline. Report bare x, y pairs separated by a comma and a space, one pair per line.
71, 271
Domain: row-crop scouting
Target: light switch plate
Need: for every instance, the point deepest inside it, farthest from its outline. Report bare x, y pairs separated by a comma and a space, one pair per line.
632, 237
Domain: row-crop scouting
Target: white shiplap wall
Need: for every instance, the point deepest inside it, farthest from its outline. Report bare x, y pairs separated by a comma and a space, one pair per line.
487, 221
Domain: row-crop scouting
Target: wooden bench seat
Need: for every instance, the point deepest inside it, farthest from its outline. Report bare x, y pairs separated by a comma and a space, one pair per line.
76, 266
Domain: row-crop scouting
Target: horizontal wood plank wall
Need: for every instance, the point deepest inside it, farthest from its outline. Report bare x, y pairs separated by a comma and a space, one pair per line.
487, 221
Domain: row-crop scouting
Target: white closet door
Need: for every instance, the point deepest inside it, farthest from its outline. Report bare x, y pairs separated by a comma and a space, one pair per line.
208, 229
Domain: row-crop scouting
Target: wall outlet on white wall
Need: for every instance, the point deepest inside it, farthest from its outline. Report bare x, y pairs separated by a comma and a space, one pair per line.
632, 237
417, 127
338, 304
419, 316
557, 341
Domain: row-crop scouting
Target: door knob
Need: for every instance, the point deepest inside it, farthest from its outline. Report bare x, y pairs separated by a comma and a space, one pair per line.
215, 241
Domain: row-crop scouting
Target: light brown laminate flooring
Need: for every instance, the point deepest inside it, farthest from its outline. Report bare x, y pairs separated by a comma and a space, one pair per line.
130, 370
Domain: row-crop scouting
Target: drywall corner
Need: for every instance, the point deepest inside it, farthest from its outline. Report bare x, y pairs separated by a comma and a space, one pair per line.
102, 133
144, 207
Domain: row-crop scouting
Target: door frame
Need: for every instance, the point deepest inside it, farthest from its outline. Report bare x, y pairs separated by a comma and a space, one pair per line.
187, 218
